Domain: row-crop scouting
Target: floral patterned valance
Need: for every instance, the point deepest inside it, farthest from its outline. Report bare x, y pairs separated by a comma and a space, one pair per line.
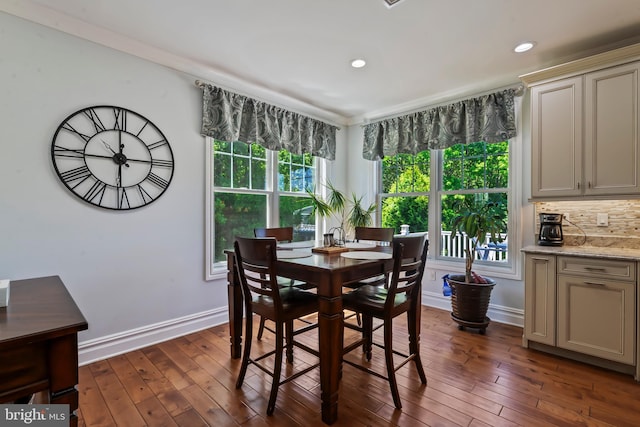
227, 116
489, 118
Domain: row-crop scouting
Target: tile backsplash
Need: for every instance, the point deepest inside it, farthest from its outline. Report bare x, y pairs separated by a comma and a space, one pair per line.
624, 222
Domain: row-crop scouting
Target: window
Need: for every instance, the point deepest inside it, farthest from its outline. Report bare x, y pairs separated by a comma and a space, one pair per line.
406, 183
250, 186
296, 175
476, 172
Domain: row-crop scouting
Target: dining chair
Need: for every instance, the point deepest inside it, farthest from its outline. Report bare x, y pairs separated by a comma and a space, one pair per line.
257, 270
282, 235
401, 296
380, 236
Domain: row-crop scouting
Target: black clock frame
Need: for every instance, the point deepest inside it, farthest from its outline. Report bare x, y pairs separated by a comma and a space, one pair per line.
89, 140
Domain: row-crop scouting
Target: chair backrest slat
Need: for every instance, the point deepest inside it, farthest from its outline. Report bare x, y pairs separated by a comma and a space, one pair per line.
375, 234
281, 234
256, 264
410, 256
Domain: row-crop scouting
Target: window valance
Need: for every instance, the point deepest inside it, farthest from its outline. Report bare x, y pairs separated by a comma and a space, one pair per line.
228, 116
488, 118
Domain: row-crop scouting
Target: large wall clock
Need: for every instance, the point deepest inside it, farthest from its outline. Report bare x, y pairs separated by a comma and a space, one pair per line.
112, 157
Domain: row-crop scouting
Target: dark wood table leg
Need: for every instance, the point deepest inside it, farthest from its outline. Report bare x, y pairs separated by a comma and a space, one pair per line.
330, 319
63, 377
234, 295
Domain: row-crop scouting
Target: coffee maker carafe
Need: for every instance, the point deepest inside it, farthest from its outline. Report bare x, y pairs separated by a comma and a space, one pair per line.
550, 229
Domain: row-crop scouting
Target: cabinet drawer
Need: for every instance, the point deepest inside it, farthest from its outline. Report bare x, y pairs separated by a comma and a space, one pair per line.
23, 369
592, 267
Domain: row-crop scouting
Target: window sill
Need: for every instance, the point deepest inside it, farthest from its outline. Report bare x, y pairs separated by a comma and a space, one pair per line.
505, 271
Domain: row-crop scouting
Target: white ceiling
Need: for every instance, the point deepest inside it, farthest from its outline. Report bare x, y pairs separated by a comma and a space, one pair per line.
298, 52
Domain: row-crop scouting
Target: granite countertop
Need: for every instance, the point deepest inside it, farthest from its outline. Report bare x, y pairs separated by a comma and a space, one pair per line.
586, 251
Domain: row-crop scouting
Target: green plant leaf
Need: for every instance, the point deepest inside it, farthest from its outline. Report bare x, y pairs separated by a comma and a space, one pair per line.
349, 211
475, 222
359, 216
337, 199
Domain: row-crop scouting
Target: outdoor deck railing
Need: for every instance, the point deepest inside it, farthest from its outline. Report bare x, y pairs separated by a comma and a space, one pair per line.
488, 251
453, 247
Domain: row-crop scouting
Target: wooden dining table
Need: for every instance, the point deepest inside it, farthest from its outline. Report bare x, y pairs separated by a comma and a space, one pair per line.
329, 273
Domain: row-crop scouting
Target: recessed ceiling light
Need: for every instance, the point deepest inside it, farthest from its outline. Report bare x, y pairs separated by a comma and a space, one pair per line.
523, 47
358, 63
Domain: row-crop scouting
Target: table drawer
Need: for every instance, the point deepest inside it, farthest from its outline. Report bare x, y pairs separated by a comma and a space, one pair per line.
22, 368
595, 267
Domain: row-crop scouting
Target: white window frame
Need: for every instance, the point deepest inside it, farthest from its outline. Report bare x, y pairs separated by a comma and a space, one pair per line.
218, 270
512, 269
507, 269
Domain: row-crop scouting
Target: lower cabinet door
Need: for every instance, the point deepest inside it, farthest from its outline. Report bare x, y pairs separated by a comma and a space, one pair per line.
596, 317
540, 298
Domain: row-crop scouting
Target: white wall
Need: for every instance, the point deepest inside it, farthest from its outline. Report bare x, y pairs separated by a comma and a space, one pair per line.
137, 274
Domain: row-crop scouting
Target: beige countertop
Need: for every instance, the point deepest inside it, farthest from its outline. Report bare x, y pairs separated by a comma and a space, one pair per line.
586, 251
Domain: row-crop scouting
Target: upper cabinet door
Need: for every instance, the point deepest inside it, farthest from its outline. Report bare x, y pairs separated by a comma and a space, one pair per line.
556, 133
612, 157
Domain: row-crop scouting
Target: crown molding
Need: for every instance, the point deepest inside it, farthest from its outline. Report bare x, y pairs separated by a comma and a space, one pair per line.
579, 66
30, 11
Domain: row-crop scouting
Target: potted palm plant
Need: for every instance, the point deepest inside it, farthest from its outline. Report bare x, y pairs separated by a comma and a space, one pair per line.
348, 212
470, 293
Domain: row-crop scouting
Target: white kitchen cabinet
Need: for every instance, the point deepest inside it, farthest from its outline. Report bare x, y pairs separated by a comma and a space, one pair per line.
556, 134
586, 305
612, 151
540, 298
585, 135
596, 308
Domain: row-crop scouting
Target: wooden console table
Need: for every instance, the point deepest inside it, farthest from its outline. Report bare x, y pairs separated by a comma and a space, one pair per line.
39, 343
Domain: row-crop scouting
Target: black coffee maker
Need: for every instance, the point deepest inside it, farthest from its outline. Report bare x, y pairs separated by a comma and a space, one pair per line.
550, 229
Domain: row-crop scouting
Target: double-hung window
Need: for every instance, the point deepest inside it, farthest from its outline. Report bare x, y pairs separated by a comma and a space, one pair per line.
406, 186
477, 173
422, 191
249, 186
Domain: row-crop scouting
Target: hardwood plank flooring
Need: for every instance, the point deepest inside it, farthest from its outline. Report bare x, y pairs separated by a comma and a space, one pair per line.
473, 380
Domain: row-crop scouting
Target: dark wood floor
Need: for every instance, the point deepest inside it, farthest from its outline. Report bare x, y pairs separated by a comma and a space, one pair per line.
473, 380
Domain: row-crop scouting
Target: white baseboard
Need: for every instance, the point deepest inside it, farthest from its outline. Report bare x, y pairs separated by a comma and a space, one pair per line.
123, 342
496, 313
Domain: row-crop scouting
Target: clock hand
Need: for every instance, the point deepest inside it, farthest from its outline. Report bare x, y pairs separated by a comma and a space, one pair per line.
109, 147
121, 146
98, 156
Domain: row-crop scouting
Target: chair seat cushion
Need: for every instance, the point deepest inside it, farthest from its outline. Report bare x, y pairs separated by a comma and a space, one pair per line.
295, 303
370, 299
285, 282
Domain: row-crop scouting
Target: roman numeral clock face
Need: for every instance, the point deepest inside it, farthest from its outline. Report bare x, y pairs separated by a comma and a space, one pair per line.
112, 157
